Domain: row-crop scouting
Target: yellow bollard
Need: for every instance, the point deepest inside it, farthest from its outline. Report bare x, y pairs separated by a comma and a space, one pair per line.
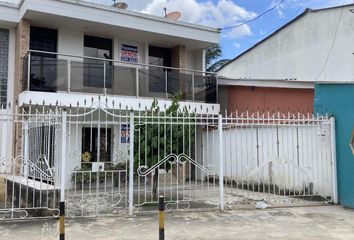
161, 218
62, 221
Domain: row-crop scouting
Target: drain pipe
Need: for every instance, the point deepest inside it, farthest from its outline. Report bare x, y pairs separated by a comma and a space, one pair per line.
334, 160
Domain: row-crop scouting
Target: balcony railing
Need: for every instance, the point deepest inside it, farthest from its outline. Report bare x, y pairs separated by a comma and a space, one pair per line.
52, 72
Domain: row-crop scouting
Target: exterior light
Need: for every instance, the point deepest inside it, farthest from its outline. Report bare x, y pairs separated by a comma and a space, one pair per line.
351, 143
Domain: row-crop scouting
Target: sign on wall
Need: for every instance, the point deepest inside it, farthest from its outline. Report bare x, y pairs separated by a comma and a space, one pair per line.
125, 133
129, 53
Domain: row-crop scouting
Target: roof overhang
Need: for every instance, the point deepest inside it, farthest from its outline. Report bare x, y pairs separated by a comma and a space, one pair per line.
105, 20
275, 83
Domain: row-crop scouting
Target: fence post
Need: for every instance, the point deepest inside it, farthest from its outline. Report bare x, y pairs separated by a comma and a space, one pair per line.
137, 82
26, 150
131, 164
166, 86
221, 165
69, 76
334, 159
104, 79
62, 177
193, 87
28, 71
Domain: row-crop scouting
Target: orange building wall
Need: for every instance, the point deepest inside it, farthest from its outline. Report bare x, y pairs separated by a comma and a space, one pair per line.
264, 99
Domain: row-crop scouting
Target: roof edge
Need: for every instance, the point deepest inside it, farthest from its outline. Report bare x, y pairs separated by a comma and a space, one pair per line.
305, 12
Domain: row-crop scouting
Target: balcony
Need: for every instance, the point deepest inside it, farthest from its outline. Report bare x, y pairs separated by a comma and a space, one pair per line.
52, 72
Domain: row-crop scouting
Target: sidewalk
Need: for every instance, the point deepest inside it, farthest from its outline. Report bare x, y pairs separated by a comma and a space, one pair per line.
327, 222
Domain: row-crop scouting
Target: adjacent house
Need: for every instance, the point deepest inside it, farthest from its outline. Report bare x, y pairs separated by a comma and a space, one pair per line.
279, 72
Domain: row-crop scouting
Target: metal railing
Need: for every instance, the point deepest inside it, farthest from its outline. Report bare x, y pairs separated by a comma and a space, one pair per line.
55, 72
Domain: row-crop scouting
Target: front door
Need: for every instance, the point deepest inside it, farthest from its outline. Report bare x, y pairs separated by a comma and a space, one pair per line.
96, 146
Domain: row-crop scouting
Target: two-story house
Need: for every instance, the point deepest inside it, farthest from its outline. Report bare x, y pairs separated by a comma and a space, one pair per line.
74, 53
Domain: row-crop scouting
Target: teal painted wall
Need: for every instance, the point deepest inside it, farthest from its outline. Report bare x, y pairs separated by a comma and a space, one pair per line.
338, 100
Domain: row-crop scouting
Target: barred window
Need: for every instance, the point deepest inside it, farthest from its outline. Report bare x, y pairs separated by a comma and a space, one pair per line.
4, 57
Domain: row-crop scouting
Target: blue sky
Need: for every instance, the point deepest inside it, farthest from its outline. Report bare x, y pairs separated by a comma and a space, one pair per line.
225, 13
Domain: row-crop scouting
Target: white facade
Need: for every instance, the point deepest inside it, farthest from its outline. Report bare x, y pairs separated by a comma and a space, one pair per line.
73, 20
317, 46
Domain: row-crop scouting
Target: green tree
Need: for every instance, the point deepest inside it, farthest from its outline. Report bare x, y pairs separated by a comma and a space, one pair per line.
162, 133
212, 53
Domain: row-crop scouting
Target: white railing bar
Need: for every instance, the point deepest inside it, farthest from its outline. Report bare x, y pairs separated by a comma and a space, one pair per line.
117, 61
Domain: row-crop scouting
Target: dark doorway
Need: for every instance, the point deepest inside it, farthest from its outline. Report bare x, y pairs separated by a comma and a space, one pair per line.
90, 144
160, 57
97, 47
43, 76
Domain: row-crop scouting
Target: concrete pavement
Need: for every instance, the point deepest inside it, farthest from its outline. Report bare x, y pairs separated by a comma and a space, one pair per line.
327, 222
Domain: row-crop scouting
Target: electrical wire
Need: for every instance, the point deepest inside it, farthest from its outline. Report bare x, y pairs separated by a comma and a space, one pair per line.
332, 45
255, 18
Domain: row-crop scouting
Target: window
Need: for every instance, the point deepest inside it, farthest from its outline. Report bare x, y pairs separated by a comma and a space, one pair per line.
93, 69
4, 63
43, 66
161, 57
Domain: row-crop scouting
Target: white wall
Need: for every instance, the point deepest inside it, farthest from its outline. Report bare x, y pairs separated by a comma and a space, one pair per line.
199, 60
290, 169
300, 51
6, 125
72, 42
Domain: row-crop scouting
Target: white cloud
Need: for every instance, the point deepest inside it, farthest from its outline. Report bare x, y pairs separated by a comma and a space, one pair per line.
220, 14
236, 45
242, 31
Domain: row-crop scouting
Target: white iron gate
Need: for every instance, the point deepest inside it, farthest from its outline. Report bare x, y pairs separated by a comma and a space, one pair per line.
96, 160
102, 160
277, 159
28, 164
170, 159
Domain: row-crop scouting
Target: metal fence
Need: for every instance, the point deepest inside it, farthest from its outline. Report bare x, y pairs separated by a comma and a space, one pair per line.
277, 159
27, 173
104, 160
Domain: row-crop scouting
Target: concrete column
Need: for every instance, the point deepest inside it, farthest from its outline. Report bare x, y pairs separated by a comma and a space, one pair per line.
21, 48
178, 60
